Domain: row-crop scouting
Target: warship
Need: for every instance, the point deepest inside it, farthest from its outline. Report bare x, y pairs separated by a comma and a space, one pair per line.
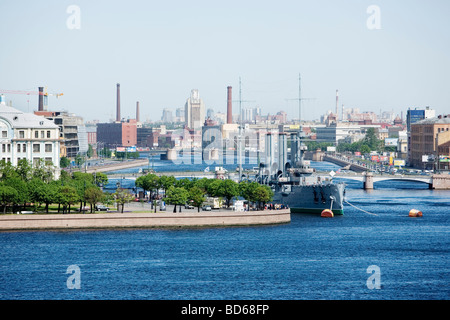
295, 184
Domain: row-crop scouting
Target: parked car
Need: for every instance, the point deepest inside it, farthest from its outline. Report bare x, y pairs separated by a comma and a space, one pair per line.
206, 208
102, 207
188, 206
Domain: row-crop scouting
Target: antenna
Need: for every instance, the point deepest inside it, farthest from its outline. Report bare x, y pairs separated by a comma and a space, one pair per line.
240, 128
300, 99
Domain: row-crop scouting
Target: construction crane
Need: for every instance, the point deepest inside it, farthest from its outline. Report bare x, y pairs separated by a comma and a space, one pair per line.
41, 92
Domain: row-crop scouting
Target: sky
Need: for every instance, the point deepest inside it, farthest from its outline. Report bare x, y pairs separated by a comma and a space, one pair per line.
392, 59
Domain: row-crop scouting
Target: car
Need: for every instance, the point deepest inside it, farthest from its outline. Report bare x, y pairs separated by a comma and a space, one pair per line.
101, 207
206, 208
188, 206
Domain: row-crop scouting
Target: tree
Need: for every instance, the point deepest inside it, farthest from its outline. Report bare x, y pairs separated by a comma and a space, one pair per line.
8, 195
64, 162
122, 196
67, 196
165, 182
24, 170
100, 179
248, 190
93, 195
197, 196
22, 190
90, 151
148, 182
177, 196
229, 189
264, 194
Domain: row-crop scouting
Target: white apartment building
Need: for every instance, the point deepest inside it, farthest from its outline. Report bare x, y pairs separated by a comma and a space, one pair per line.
27, 136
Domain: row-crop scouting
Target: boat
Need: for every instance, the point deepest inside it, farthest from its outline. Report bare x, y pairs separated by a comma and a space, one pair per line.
294, 183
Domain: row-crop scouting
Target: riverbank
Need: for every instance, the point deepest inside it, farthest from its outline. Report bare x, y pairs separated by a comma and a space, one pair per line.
187, 219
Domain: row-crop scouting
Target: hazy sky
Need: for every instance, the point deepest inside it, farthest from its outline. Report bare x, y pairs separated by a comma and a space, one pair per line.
159, 50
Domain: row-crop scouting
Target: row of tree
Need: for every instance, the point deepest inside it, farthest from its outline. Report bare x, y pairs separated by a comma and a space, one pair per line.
26, 185
194, 191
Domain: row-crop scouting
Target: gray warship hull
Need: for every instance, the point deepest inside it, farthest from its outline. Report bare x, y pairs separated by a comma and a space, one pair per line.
311, 198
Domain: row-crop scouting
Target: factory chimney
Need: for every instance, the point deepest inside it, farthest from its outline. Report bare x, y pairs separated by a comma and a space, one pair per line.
137, 111
118, 103
229, 107
41, 99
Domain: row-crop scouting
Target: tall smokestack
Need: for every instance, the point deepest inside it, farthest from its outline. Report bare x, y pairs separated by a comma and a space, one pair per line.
337, 104
137, 111
118, 103
41, 99
229, 107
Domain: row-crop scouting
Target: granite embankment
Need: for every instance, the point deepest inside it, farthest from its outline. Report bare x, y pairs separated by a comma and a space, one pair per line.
11, 222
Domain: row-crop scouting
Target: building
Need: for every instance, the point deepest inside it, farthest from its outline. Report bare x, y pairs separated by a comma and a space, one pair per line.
426, 135
194, 111
167, 115
413, 116
28, 136
342, 132
72, 131
118, 134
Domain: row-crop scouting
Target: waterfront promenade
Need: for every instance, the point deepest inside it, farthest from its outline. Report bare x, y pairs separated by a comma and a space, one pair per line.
147, 219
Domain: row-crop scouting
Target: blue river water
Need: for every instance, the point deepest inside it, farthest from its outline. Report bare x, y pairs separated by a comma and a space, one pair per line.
310, 258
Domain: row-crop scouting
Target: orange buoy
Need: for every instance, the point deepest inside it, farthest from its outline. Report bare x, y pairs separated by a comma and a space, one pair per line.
415, 213
327, 213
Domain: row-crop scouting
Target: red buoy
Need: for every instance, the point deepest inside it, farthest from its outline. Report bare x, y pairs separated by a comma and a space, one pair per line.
327, 213
415, 213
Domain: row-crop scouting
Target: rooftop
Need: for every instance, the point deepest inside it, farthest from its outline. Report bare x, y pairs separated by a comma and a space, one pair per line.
442, 119
19, 119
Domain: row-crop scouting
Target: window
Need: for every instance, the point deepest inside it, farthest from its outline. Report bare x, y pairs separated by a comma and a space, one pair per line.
36, 148
3, 147
42, 134
18, 147
9, 147
48, 134
50, 160
36, 134
24, 147
48, 148
4, 134
21, 134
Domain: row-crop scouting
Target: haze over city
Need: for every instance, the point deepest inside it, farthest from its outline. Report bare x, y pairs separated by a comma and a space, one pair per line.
160, 51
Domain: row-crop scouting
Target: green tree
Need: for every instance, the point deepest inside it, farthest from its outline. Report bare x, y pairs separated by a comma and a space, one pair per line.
67, 196
177, 196
93, 195
24, 169
228, 189
8, 195
264, 194
122, 196
100, 179
90, 151
165, 182
21, 187
64, 162
248, 190
148, 182
197, 196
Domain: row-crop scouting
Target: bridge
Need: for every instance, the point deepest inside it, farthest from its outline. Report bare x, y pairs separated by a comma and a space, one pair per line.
436, 181
369, 179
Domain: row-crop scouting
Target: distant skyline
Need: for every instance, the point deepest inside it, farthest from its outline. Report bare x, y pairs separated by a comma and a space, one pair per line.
160, 50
